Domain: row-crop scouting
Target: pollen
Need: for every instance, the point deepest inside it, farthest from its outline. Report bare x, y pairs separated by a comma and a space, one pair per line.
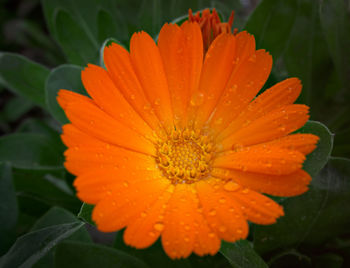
185, 156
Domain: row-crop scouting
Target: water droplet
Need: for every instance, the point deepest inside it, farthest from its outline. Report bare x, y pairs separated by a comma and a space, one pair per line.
239, 231
151, 233
157, 101
218, 121
159, 226
245, 191
237, 146
143, 214
187, 239
126, 184
197, 99
233, 88
231, 186
222, 229
282, 128
211, 235
212, 212
187, 228
227, 102
210, 96
132, 96
147, 107
222, 200
252, 58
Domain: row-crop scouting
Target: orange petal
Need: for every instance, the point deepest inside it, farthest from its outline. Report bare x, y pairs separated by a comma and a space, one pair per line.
244, 83
213, 79
127, 201
222, 213
146, 229
182, 64
101, 88
65, 97
261, 159
194, 45
178, 235
149, 69
121, 71
90, 119
274, 125
281, 94
73, 137
206, 241
257, 207
304, 143
81, 159
245, 47
284, 185
93, 186
86, 153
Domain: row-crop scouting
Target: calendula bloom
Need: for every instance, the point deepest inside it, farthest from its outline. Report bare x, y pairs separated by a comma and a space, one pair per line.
211, 25
173, 144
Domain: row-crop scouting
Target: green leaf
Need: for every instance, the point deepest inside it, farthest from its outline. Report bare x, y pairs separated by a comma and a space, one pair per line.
57, 215
81, 26
319, 157
29, 248
153, 14
154, 256
241, 254
290, 258
63, 77
48, 187
16, 107
77, 254
24, 77
271, 24
53, 217
307, 56
336, 25
314, 217
86, 212
8, 208
329, 260
32, 151
41, 126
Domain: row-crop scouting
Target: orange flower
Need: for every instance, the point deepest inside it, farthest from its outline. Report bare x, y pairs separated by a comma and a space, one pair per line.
211, 25
172, 143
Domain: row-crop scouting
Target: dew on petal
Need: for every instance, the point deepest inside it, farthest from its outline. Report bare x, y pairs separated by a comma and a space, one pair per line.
159, 227
212, 212
197, 99
231, 186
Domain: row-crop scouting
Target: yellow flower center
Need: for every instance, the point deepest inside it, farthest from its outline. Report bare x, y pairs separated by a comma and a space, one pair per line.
184, 156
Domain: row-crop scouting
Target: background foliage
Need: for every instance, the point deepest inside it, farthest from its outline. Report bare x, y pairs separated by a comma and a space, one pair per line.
43, 224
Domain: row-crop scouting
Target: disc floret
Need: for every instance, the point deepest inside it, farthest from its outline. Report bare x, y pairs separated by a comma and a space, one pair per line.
185, 156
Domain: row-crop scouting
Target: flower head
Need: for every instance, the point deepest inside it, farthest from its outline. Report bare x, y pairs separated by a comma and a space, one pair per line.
172, 142
211, 25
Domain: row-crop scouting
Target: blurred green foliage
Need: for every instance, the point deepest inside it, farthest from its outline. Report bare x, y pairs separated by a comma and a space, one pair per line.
57, 38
